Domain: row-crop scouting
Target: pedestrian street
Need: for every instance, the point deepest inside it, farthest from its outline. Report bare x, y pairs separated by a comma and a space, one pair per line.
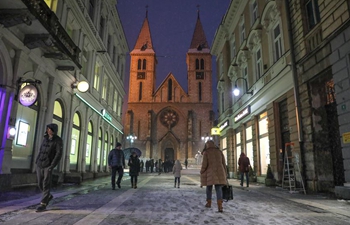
156, 201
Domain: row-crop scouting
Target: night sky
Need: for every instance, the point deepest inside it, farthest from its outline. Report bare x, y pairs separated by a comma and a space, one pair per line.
172, 25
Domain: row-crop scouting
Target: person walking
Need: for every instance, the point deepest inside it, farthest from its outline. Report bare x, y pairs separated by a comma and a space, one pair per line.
244, 164
134, 169
186, 163
177, 173
213, 172
116, 162
50, 154
141, 166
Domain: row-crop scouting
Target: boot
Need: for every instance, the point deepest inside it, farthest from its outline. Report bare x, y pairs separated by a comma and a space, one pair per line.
132, 184
208, 205
135, 186
178, 186
220, 209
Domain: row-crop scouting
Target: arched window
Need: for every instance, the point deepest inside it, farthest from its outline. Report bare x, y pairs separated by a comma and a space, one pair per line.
170, 89
88, 147
105, 152
99, 147
139, 64
197, 64
202, 64
144, 63
74, 150
140, 91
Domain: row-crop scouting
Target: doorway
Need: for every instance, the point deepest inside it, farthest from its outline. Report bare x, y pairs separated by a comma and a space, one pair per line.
169, 154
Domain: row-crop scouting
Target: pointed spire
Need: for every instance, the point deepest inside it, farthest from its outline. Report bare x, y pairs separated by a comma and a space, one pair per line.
144, 40
199, 41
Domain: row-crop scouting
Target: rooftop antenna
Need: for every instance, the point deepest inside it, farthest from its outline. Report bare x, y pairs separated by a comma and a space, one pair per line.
146, 11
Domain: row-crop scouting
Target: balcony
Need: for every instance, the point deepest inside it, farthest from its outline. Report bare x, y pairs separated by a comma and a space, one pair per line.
41, 28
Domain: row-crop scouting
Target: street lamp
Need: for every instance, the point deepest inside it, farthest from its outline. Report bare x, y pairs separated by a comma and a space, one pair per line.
236, 91
131, 137
207, 138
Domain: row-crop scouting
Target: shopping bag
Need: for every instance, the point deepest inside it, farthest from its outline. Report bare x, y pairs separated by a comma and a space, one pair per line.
227, 192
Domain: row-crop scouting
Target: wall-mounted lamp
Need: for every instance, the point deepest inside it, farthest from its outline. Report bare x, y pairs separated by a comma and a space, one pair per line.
11, 132
236, 91
82, 86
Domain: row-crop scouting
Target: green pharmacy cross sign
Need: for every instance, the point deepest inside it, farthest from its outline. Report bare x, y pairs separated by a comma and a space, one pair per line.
106, 115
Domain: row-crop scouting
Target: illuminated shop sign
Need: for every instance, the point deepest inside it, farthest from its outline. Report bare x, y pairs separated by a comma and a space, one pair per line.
106, 115
242, 114
224, 125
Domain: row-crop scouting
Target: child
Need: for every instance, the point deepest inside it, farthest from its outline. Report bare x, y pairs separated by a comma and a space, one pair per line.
177, 173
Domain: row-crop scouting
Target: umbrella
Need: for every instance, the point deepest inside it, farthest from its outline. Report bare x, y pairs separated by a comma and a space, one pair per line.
129, 151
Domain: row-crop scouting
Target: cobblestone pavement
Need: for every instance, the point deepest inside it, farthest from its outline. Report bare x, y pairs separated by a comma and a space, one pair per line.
156, 201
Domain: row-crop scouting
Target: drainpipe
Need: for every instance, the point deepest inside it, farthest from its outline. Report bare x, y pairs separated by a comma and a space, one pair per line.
296, 89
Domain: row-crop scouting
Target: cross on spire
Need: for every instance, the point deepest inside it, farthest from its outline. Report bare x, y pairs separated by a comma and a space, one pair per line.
198, 6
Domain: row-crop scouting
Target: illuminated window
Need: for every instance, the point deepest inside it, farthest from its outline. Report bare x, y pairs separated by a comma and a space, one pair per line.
52, 4
97, 77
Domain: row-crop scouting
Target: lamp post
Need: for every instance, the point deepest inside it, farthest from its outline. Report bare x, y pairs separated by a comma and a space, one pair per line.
131, 138
236, 91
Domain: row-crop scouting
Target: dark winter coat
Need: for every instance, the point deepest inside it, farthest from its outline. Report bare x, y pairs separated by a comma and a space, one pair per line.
134, 165
213, 169
116, 158
50, 152
243, 163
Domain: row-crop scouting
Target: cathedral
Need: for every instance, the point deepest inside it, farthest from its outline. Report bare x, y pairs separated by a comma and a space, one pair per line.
168, 121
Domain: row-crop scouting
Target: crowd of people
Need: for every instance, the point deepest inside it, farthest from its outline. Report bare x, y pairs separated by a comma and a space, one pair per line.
213, 172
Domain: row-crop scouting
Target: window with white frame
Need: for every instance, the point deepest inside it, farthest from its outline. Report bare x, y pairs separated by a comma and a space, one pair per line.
102, 25
52, 4
254, 11
233, 47
258, 64
110, 96
245, 76
242, 30
120, 103
91, 9
312, 13
277, 41
115, 101
84, 62
105, 87
97, 77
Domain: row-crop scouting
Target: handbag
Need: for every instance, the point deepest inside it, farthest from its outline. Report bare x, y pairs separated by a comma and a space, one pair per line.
227, 192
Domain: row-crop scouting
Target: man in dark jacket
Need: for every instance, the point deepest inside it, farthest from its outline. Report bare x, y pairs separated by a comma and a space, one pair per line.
50, 154
116, 162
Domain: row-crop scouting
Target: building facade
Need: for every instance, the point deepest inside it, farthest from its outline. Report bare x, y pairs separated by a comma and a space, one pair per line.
168, 121
253, 54
293, 97
322, 67
48, 48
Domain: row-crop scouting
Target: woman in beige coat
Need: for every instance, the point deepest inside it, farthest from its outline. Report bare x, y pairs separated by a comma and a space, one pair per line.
213, 172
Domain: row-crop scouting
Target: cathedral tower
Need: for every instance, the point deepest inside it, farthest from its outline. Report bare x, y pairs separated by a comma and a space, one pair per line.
142, 67
199, 71
168, 121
